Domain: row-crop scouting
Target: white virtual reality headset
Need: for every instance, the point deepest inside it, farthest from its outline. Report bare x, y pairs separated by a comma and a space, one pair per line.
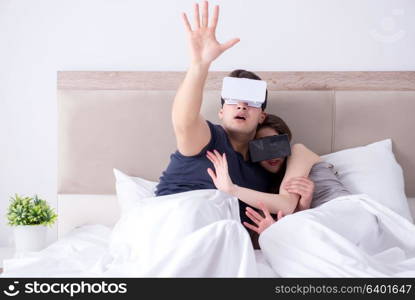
251, 91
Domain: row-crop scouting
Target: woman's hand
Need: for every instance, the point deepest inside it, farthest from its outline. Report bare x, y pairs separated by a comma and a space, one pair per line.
204, 47
261, 222
302, 186
221, 179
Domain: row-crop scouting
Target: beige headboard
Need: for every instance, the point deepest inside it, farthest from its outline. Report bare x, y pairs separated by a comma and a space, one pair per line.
123, 119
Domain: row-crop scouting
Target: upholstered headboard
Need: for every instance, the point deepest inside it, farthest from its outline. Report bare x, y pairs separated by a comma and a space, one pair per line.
123, 120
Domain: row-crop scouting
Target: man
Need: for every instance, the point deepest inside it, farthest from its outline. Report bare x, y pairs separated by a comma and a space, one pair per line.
187, 169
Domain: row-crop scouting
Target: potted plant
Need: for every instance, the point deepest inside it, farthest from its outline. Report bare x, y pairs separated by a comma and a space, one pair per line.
30, 216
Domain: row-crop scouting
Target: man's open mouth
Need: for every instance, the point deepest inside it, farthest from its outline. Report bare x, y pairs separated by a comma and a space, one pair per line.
240, 117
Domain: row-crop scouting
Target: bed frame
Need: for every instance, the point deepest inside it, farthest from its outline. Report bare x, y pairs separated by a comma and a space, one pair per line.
123, 120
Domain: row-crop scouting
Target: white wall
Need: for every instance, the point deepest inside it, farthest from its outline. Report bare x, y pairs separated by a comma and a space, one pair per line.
37, 38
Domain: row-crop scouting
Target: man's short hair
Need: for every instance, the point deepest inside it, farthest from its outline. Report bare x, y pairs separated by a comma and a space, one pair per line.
239, 73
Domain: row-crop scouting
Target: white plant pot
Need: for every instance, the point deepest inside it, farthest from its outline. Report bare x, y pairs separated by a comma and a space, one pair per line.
30, 237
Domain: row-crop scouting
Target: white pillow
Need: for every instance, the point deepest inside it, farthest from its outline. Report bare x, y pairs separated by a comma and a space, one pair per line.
131, 190
373, 170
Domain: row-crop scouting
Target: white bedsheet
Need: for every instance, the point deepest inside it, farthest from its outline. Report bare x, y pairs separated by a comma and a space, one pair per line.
350, 236
191, 234
198, 234
76, 254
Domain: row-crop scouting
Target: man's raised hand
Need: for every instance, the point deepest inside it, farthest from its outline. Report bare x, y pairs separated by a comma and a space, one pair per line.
204, 47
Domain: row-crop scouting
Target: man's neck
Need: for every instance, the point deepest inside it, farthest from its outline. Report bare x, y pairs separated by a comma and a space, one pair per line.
240, 142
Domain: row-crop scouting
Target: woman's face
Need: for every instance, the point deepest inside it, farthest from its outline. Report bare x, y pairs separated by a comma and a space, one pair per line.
271, 165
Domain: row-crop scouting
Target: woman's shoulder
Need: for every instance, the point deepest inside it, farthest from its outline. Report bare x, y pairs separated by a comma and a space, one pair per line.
322, 170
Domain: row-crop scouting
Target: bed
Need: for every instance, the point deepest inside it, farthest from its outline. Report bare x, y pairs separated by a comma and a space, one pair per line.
111, 120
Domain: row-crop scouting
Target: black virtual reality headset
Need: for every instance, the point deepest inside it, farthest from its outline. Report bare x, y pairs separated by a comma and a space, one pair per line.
270, 147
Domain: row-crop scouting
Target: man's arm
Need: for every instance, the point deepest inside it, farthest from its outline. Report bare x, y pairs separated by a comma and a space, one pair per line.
295, 182
191, 130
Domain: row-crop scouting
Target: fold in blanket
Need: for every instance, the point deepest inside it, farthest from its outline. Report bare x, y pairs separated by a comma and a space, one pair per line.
350, 236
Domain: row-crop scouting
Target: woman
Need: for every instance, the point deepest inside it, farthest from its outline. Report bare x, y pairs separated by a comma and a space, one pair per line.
290, 176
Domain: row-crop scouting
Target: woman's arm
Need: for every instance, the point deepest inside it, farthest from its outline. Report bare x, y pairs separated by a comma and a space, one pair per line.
274, 202
299, 165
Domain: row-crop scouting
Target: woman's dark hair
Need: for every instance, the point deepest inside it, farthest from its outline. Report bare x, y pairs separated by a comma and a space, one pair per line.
278, 124
239, 73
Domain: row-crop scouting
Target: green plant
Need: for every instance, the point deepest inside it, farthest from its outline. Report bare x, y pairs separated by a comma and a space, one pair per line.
30, 211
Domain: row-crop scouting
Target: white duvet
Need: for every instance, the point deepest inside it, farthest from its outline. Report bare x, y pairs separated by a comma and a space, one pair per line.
198, 234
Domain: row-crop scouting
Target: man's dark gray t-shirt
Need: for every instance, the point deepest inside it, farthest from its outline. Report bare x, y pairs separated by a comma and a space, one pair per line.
186, 173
